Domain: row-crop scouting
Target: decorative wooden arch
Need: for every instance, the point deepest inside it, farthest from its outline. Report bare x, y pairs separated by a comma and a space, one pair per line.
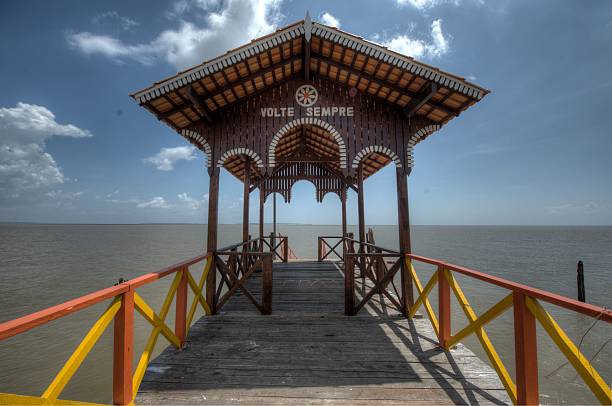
416, 138
200, 142
304, 121
240, 151
379, 150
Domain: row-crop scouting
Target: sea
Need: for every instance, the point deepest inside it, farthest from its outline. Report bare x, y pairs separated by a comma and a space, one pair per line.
45, 264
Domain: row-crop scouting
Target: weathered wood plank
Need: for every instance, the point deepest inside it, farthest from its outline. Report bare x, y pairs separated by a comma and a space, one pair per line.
308, 352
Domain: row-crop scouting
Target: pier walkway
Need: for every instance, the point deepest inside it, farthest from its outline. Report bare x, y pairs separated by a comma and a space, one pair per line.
308, 352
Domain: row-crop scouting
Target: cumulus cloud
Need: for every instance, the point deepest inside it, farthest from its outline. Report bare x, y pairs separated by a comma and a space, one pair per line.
157, 202
191, 203
437, 46
25, 167
227, 24
328, 19
165, 159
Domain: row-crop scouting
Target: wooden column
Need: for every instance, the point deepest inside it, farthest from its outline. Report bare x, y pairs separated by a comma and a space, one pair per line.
525, 352
245, 208
360, 207
211, 244
262, 197
343, 199
403, 223
123, 350
274, 213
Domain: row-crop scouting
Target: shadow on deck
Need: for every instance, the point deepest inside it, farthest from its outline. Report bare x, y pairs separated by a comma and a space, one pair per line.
308, 352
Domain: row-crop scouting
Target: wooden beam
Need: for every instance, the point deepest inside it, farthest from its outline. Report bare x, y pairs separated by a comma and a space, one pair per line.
418, 101
306, 60
198, 102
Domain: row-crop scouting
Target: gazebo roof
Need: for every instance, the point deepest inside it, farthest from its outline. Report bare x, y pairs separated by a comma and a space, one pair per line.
201, 92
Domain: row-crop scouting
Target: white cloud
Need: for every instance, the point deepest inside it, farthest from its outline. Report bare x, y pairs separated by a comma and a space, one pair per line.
191, 203
328, 19
230, 24
157, 202
435, 48
25, 166
425, 4
165, 159
113, 18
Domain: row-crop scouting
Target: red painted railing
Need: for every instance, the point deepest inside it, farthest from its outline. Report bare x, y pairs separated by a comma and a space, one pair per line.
527, 310
121, 310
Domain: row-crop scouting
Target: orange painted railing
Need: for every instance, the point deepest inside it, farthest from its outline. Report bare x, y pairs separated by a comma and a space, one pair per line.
527, 309
125, 300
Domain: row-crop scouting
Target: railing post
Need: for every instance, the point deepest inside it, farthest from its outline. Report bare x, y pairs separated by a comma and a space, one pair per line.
211, 284
444, 308
380, 273
180, 320
266, 288
319, 249
123, 350
349, 286
286, 249
526, 352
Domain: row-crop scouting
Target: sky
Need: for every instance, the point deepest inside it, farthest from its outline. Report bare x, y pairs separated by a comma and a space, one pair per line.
74, 148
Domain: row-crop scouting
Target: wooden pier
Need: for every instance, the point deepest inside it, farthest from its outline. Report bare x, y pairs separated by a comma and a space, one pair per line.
309, 352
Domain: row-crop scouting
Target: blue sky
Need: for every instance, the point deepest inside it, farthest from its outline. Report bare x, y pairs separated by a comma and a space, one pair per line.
75, 148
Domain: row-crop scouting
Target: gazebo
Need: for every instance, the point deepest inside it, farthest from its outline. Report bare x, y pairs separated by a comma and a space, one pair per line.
309, 102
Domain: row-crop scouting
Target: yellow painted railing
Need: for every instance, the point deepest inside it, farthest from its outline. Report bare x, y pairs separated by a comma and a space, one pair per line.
121, 310
525, 302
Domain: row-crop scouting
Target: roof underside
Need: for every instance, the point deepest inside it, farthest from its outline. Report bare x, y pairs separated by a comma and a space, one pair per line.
202, 92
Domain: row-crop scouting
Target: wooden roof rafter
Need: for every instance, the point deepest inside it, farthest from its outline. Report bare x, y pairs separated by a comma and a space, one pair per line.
229, 78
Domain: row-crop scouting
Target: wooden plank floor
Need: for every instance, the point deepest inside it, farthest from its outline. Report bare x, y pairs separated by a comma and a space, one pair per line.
308, 352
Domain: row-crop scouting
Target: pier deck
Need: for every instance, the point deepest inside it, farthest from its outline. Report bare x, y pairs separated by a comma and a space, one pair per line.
308, 352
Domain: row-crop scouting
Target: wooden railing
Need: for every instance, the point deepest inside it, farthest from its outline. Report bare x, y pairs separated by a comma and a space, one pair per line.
235, 264
527, 309
124, 300
380, 266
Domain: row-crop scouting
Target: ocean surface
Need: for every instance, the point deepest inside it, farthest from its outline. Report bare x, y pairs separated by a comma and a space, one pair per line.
43, 265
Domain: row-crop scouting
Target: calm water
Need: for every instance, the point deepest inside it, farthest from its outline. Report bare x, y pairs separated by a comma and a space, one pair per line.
42, 265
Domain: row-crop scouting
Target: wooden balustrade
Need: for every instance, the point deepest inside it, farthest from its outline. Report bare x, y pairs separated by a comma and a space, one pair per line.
527, 309
236, 263
379, 266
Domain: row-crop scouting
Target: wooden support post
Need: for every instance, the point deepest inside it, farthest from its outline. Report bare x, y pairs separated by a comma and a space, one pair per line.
180, 319
245, 212
580, 282
349, 286
319, 249
343, 199
274, 213
526, 352
404, 237
262, 198
444, 309
123, 350
360, 207
211, 244
266, 281
361, 210
285, 249
245, 207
